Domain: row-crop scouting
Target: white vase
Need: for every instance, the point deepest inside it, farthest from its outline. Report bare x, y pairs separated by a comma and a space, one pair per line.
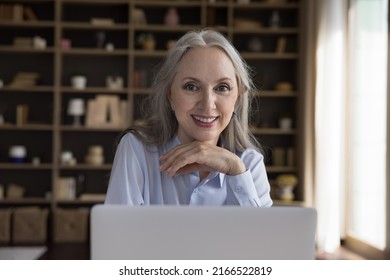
79, 82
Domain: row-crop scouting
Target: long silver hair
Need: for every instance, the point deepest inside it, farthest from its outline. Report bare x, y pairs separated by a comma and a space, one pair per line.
160, 124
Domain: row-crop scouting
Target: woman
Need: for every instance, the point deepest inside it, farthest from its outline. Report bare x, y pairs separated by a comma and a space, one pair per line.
195, 147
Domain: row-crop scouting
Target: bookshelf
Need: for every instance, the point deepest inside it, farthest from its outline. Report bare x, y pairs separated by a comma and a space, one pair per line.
99, 39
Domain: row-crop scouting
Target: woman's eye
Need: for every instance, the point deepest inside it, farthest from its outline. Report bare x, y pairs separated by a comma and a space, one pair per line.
222, 88
190, 87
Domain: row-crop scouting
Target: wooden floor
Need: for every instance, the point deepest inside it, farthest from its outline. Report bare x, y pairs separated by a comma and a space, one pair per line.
82, 252
341, 254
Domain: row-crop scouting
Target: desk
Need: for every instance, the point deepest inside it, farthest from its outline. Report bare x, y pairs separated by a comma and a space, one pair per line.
67, 251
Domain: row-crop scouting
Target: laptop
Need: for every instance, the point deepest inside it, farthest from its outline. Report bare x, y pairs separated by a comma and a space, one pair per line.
202, 233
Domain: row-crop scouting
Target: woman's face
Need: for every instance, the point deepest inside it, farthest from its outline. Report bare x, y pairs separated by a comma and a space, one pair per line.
203, 94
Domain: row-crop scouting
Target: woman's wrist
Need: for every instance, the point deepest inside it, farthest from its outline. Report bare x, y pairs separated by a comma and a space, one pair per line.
236, 167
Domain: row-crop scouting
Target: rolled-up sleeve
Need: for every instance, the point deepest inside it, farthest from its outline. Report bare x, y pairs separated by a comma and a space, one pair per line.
251, 188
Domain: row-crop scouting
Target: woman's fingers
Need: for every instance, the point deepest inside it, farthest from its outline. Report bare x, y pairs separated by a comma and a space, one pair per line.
198, 156
185, 156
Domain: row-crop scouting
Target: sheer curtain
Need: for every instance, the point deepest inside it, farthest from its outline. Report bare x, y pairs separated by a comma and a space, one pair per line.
331, 87
367, 100
330, 94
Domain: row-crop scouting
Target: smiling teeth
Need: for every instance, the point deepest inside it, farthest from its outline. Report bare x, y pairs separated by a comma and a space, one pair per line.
205, 120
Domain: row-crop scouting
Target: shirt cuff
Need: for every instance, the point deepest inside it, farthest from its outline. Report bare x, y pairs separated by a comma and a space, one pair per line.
244, 189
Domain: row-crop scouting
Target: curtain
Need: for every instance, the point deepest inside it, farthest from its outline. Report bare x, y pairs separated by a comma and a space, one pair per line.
345, 76
324, 137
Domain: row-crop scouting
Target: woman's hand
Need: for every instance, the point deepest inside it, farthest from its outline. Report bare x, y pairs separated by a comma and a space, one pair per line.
199, 156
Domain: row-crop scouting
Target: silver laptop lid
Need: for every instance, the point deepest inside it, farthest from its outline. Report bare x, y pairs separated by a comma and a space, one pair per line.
185, 232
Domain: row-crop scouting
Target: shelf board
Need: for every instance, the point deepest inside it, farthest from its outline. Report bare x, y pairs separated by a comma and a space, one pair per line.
254, 5
90, 26
155, 53
165, 28
25, 166
277, 202
94, 90
280, 169
266, 30
96, 2
15, 49
156, 3
272, 131
89, 129
260, 55
28, 24
34, 127
28, 89
79, 202
25, 201
93, 51
84, 166
276, 93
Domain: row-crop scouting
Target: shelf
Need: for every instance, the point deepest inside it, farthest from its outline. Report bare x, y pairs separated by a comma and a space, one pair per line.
27, 24
90, 26
25, 201
276, 93
89, 129
79, 202
93, 90
156, 53
259, 55
288, 203
156, 3
280, 169
33, 127
265, 30
81, 166
26, 166
27, 89
166, 28
19, 50
254, 5
94, 51
272, 131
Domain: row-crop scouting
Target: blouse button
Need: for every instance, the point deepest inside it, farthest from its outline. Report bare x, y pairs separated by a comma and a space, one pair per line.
238, 189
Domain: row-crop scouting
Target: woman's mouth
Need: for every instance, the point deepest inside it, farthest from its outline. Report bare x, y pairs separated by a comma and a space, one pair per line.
204, 121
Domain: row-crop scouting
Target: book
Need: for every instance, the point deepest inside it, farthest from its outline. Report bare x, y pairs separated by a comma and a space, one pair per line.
29, 14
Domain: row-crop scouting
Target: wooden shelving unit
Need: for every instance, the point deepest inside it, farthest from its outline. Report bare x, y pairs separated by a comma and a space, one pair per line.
49, 130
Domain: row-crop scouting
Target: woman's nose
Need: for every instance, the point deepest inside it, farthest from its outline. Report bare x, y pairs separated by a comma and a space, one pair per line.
208, 99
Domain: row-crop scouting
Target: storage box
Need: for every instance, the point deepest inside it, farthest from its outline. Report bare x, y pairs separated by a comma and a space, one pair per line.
5, 226
71, 225
29, 225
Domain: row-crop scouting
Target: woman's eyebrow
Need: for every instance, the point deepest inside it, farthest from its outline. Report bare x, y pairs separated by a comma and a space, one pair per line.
197, 80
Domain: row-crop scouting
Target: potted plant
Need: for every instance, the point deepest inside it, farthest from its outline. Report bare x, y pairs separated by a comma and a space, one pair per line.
286, 184
147, 41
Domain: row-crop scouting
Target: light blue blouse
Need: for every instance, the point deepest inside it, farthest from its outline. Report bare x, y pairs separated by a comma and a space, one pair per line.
136, 180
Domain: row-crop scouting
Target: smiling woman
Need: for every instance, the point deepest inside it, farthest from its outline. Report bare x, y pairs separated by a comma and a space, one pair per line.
195, 146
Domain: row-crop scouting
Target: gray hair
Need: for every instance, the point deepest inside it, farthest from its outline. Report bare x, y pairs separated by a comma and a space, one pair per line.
160, 124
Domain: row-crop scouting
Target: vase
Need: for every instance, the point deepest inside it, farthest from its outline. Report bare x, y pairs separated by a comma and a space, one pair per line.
171, 17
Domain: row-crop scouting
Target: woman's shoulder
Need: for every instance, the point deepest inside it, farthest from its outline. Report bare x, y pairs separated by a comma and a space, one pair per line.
135, 142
